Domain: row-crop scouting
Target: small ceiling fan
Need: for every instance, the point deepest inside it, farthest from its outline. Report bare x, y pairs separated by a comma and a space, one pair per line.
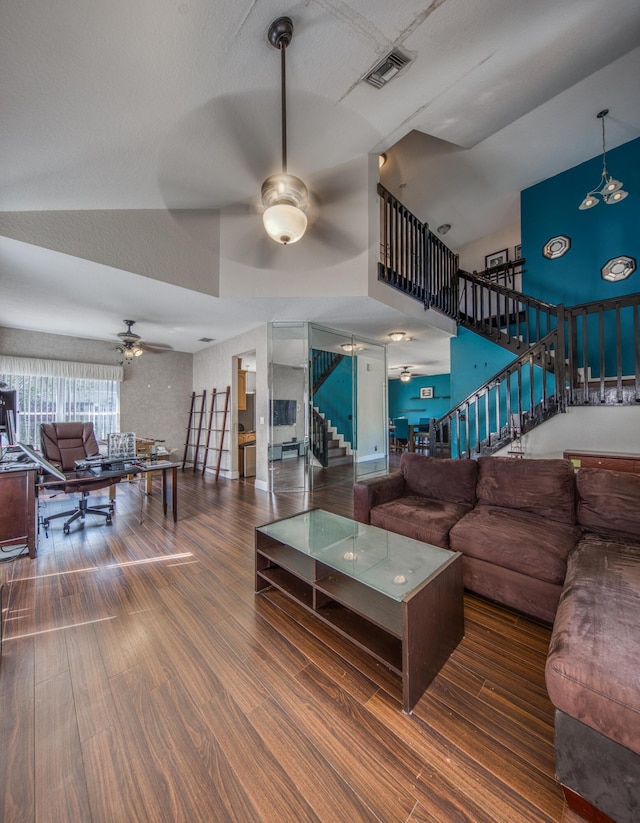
406, 372
131, 345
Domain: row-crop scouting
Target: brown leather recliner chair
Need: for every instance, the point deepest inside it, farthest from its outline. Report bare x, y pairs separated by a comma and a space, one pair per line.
62, 444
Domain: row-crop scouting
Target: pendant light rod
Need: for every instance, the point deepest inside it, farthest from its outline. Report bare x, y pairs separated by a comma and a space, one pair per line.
283, 74
280, 34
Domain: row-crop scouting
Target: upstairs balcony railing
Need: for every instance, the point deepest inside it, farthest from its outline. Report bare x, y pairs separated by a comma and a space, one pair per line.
412, 258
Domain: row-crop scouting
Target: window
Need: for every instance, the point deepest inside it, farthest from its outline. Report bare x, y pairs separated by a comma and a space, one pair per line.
45, 396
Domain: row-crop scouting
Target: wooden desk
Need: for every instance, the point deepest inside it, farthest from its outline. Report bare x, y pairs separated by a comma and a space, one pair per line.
18, 506
169, 470
618, 461
169, 479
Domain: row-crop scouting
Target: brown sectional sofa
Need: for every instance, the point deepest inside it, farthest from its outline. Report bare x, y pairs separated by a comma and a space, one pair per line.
563, 546
513, 520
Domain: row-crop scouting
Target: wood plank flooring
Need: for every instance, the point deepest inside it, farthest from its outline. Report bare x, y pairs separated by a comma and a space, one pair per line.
143, 680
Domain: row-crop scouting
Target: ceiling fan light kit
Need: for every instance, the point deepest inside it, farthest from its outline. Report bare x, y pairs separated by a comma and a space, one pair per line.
405, 375
608, 189
284, 196
130, 347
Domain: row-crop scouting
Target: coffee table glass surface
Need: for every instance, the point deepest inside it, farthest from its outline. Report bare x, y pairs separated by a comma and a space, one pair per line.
389, 563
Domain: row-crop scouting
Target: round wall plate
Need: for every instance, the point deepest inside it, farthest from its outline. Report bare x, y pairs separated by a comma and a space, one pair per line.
618, 268
556, 247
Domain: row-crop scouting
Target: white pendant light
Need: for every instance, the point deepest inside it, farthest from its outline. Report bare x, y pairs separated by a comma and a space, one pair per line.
405, 375
608, 189
284, 196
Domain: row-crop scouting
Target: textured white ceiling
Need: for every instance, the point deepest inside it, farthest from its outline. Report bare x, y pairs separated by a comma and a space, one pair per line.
137, 104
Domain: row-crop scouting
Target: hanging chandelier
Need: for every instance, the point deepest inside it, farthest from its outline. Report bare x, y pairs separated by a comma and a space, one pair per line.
608, 189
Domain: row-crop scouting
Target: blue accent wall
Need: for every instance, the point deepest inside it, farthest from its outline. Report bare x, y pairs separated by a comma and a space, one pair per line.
550, 208
405, 401
473, 361
334, 398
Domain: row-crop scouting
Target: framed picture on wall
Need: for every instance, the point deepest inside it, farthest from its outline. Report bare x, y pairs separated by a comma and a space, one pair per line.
517, 252
498, 258
426, 393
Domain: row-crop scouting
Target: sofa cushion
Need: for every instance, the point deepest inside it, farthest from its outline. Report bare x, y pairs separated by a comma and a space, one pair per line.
592, 670
513, 589
440, 478
419, 517
544, 487
518, 540
608, 502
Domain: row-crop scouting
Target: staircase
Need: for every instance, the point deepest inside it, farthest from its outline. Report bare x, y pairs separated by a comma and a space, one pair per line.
327, 443
555, 346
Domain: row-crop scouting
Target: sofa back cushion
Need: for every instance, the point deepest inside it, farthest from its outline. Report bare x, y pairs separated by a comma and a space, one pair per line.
544, 487
609, 502
440, 479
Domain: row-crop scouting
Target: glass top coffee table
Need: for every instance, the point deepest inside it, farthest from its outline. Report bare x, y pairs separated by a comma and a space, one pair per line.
399, 599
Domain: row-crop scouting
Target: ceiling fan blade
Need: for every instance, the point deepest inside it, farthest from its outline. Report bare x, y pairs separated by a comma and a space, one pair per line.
156, 348
220, 152
340, 183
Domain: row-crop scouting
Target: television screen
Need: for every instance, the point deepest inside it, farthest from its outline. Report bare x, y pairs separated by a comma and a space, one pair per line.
283, 412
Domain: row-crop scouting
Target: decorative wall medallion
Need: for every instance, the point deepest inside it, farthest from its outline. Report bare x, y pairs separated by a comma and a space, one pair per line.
556, 247
618, 268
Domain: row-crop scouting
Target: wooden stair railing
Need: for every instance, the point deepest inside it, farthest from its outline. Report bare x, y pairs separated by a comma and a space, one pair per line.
527, 390
323, 364
319, 438
501, 314
603, 352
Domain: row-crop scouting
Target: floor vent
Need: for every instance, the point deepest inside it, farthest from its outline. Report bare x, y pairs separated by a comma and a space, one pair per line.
387, 69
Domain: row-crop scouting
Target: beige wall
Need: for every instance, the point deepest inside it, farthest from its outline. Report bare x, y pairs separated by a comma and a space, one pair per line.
155, 394
597, 429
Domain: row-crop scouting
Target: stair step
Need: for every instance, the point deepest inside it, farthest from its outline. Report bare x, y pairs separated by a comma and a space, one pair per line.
340, 461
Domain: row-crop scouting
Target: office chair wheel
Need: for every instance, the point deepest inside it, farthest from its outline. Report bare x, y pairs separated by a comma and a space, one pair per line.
66, 529
108, 521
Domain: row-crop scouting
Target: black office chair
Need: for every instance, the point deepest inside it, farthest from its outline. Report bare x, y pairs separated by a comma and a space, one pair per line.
62, 444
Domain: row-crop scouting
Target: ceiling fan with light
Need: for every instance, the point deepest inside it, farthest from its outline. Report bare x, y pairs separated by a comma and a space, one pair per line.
131, 345
222, 156
284, 196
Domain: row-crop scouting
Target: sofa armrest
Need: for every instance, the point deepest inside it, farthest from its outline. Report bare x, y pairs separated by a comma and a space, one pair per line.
374, 492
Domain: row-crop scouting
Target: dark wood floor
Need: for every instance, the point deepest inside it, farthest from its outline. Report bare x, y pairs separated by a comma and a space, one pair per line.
143, 680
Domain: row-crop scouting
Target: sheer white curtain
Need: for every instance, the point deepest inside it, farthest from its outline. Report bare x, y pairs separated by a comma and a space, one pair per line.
58, 390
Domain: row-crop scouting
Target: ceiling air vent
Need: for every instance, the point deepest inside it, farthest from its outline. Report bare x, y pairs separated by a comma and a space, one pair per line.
387, 69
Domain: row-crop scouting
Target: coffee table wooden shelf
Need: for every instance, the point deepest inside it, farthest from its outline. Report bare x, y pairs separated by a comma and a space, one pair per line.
410, 627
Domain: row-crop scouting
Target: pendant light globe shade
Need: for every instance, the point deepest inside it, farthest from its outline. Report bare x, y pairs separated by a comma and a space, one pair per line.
616, 197
588, 203
610, 186
285, 223
405, 376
